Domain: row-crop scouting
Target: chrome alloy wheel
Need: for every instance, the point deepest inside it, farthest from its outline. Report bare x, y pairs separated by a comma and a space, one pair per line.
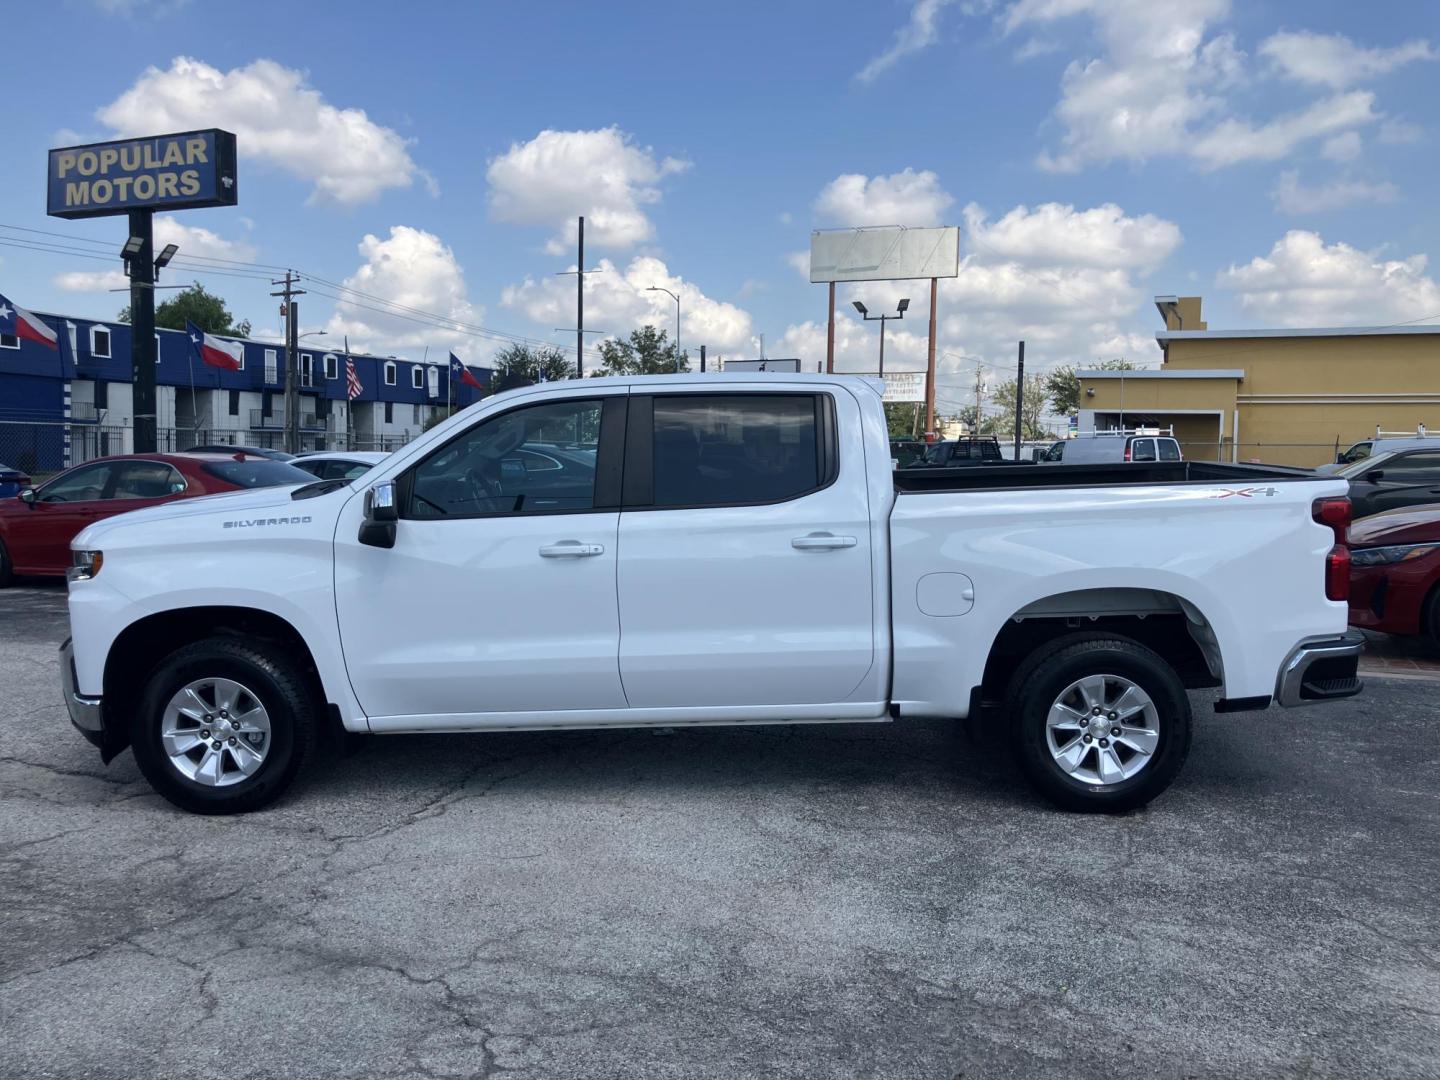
215, 732
1102, 729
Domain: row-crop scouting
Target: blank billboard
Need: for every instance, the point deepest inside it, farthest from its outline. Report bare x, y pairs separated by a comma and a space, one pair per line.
761, 365
884, 253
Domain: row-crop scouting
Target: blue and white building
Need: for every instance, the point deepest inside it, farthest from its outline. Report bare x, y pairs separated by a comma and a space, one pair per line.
60, 408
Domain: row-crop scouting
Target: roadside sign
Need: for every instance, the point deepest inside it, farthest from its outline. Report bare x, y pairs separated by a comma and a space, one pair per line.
760, 365
884, 253
904, 386
158, 172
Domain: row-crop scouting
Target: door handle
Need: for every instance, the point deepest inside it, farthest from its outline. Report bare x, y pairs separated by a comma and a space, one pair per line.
570, 549
821, 541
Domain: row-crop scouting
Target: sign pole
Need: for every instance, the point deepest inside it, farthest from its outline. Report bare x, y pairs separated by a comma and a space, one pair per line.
1019, 397
830, 335
142, 330
930, 366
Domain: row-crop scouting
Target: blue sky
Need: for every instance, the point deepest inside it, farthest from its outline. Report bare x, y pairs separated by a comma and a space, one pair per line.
1277, 158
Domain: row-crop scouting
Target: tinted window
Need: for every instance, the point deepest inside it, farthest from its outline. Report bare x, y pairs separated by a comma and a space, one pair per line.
734, 448
146, 480
1169, 450
256, 473
1142, 450
1412, 468
531, 460
85, 484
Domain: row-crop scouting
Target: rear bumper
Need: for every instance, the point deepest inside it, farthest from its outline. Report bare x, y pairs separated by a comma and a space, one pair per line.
1321, 671
85, 712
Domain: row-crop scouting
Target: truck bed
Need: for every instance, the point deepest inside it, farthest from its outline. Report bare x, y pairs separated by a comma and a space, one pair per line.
1018, 476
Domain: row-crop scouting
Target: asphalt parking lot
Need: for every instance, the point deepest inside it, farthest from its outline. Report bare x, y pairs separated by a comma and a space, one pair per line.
883, 901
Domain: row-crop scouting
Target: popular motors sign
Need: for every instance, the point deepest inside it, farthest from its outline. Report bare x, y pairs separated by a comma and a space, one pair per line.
161, 172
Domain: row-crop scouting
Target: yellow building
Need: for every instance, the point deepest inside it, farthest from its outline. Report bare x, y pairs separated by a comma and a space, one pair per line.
1287, 397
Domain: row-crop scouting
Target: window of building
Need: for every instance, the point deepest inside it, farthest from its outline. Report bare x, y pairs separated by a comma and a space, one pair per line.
417, 377
234, 402
389, 412
307, 369
271, 359
100, 342
9, 341
266, 403
102, 394
433, 375
389, 372
332, 365
322, 407
415, 419
715, 449
533, 477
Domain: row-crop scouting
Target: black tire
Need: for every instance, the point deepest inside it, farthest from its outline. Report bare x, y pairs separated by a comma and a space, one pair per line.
272, 679
1430, 620
1040, 682
7, 576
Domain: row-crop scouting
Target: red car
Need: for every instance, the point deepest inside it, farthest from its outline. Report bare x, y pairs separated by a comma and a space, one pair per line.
37, 526
1395, 572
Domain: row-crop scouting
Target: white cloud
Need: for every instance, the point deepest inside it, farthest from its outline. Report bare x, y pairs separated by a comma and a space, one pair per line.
1305, 282
618, 300
559, 175
195, 242
412, 268
918, 32
1056, 234
1233, 141
1293, 197
1397, 132
1334, 60
277, 119
1342, 148
904, 198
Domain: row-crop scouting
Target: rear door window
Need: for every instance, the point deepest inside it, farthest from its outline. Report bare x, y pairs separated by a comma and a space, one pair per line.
146, 480
728, 449
1142, 450
1169, 450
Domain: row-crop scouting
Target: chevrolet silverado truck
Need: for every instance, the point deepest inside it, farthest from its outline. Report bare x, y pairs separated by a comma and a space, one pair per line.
705, 549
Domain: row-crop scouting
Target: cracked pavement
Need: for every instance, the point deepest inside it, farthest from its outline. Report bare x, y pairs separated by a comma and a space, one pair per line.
818, 901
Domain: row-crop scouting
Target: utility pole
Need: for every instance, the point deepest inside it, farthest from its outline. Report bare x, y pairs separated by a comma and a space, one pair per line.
291, 311
830, 335
979, 387
930, 365
702, 359
1019, 396
579, 273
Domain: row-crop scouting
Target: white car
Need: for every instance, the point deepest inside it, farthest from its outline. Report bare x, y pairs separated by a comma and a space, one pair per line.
705, 549
338, 464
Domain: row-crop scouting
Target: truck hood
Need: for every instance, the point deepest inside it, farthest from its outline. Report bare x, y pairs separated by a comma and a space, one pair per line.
240, 506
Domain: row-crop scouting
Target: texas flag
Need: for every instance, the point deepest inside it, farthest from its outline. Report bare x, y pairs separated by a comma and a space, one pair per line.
217, 352
463, 373
18, 322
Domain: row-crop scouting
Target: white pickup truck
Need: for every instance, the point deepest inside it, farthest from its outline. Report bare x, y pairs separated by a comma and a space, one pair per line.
673, 550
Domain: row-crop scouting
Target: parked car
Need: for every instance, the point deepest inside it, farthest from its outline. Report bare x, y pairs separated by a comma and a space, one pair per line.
906, 452
737, 554
338, 464
1367, 448
12, 481
1096, 448
36, 527
1393, 479
1395, 572
253, 451
966, 450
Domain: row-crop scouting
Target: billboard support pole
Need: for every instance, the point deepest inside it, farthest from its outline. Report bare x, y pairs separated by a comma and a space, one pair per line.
830, 335
141, 267
930, 366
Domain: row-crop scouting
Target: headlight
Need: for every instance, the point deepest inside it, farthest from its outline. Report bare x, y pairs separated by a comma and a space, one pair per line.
1384, 556
84, 565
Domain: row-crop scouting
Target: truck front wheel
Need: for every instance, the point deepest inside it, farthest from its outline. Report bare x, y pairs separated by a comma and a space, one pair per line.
224, 725
1101, 724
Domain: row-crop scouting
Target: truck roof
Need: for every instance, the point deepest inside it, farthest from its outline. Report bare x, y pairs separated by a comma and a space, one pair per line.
789, 379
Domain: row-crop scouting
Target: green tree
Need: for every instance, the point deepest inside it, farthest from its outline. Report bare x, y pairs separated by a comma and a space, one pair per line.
1062, 386
204, 309
1031, 408
648, 352
525, 365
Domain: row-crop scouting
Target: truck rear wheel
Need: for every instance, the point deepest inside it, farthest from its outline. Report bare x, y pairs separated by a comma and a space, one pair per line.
224, 725
1100, 724
7, 575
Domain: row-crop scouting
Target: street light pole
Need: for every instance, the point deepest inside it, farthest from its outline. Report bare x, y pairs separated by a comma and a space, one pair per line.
676, 298
901, 308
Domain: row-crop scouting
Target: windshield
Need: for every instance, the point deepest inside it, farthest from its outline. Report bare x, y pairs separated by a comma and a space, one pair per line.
257, 473
1365, 465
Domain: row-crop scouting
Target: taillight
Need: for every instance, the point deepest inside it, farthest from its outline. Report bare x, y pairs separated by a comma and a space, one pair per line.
1127, 451
1336, 514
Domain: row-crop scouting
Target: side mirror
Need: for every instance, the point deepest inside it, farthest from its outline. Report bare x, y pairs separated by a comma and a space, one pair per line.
1037, 454
382, 511
1374, 476
27, 496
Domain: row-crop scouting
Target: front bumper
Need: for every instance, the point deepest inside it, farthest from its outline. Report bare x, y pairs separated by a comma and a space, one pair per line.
1321, 671
85, 712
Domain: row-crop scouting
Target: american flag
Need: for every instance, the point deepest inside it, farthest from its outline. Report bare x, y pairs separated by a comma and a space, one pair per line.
352, 381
